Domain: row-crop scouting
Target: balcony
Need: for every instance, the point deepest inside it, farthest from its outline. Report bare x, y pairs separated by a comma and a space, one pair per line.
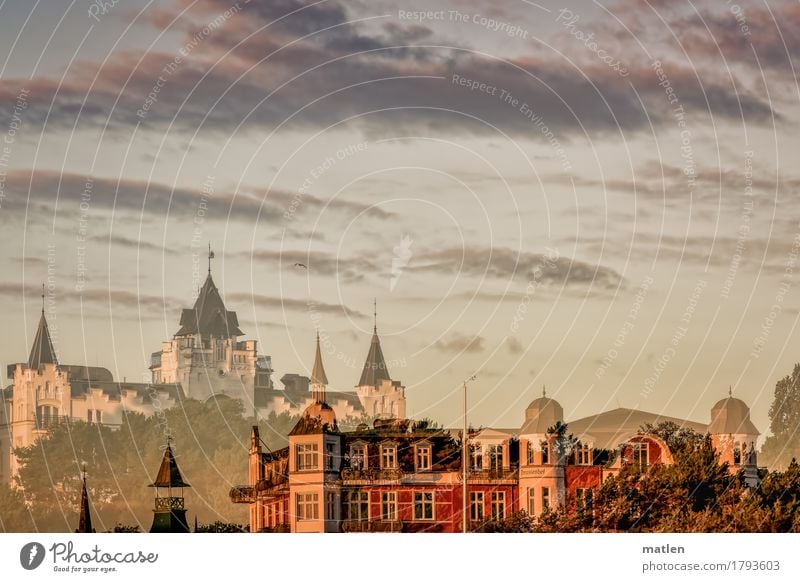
169, 503
48, 421
155, 360
242, 494
495, 475
362, 475
363, 526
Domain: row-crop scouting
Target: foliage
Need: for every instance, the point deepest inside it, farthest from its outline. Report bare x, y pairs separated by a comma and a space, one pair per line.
210, 441
784, 444
221, 527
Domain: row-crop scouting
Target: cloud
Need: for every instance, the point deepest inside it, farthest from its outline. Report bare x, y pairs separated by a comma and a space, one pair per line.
290, 304
504, 264
461, 344
256, 69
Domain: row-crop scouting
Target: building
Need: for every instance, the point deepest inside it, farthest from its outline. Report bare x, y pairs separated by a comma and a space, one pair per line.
398, 476
206, 357
169, 509
376, 395
45, 393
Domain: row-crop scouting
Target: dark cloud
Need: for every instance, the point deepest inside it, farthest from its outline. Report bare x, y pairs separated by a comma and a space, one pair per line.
296, 305
461, 344
505, 264
409, 88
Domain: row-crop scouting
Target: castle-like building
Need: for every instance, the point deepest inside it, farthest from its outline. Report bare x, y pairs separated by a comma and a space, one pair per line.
204, 359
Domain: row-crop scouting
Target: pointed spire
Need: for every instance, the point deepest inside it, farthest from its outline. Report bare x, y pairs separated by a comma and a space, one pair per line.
730, 391
209, 317
375, 370
42, 351
544, 391
85, 520
318, 377
375, 315
169, 475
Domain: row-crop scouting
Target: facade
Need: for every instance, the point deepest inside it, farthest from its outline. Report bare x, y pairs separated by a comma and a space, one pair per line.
400, 477
45, 393
376, 395
206, 357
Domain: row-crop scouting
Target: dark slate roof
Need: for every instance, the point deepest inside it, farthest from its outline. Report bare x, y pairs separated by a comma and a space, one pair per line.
168, 474
375, 370
85, 519
208, 316
78, 373
42, 351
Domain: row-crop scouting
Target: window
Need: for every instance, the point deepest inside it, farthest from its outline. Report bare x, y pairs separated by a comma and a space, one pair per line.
358, 457
330, 506
389, 506
737, 454
330, 456
496, 457
545, 498
529, 449
476, 506
306, 456
423, 458
545, 453
531, 501
640, 455
583, 454
98, 416
388, 457
476, 452
498, 505
423, 505
357, 505
89, 416
307, 506
583, 498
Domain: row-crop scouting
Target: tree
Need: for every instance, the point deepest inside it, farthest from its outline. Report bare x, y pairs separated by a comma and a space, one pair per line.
784, 414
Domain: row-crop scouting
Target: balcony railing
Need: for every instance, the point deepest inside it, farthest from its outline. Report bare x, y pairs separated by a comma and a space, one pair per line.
169, 503
242, 494
48, 421
371, 474
350, 526
492, 474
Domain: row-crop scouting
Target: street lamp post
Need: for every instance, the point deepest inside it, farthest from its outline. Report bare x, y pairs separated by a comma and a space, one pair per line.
465, 463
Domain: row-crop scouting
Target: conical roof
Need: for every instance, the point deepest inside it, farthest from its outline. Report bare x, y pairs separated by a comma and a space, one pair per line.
42, 351
168, 474
318, 375
209, 316
375, 370
85, 520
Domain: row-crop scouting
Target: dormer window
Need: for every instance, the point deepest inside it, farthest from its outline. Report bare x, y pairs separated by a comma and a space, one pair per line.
583, 454
423, 457
476, 454
389, 456
358, 457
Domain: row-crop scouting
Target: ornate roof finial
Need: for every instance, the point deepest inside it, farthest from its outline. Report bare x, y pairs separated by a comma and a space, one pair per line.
375, 314
730, 391
544, 391
210, 256
42, 298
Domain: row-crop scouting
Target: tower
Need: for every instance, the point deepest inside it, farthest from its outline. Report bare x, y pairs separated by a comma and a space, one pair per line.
169, 511
85, 519
205, 355
380, 396
38, 399
734, 436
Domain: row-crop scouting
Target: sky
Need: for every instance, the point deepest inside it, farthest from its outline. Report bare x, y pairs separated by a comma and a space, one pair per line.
596, 197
